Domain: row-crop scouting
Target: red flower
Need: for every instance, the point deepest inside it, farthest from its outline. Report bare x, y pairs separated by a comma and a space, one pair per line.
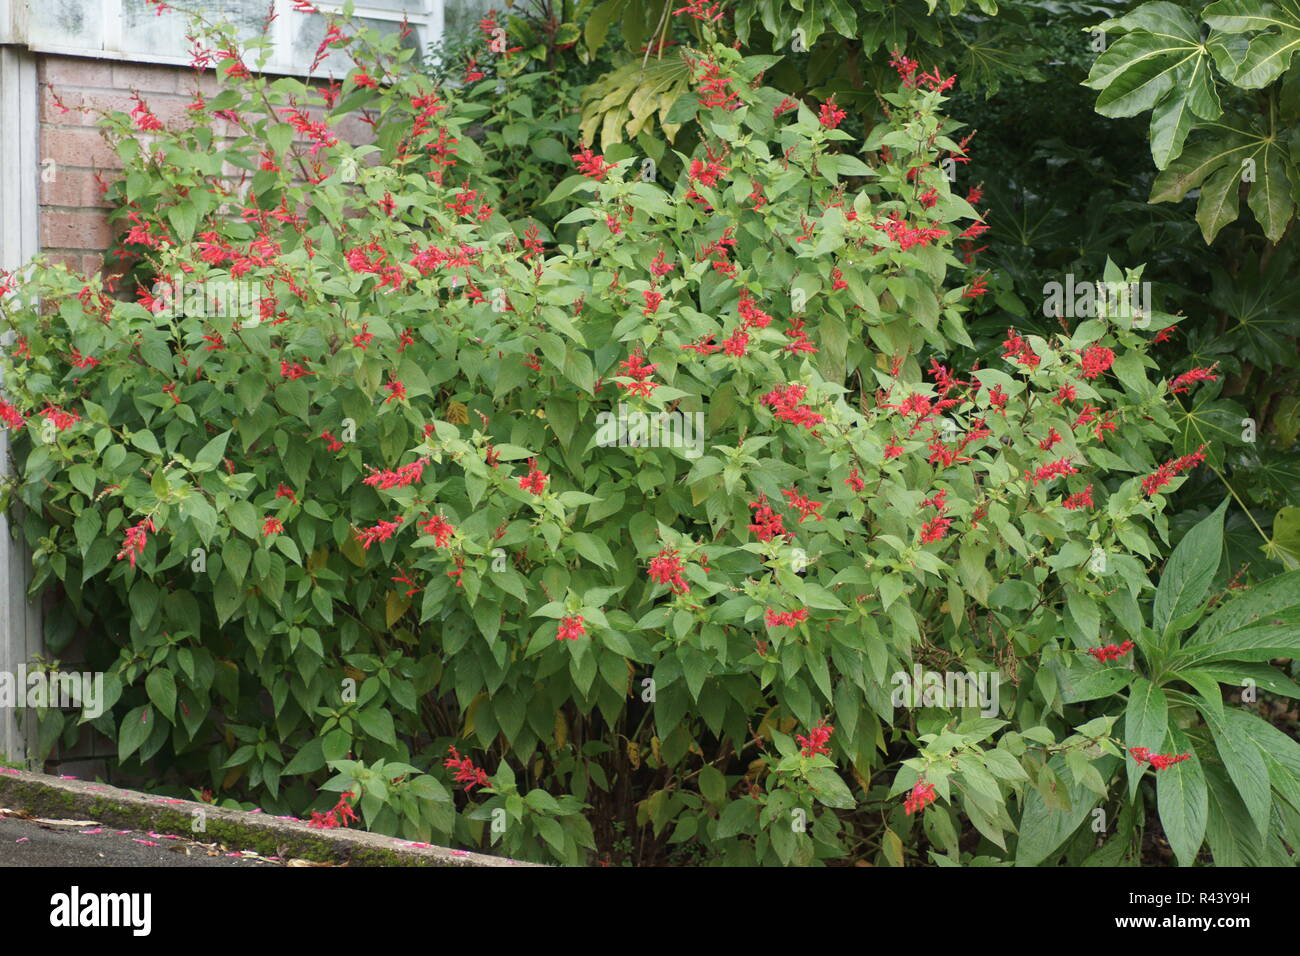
785, 106
401, 478
293, 371
817, 741
1066, 393
831, 115
59, 417
635, 367
591, 165
737, 343
440, 528
701, 10
396, 389
1053, 436
1110, 652
905, 67
144, 120
666, 568
1157, 761
466, 773
976, 289
11, 416
571, 628
801, 504
271, 526
1096, 361
785, 401
936, 529
284, 491
784, 618
1053, 469
922, 796
137, 536
341, 815
535, 481
767, 524
1016, 348
854, 482
1171, 469
380, 532
334, 443
1184, 382
1082, 499
715, 90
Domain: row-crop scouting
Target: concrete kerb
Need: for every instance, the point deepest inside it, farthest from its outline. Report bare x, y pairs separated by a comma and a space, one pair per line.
43, 795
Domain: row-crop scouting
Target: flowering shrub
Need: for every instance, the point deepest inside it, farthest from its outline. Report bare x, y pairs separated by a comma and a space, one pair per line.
537, 547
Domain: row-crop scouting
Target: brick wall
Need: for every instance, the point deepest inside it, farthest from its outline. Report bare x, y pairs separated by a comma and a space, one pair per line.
74, 226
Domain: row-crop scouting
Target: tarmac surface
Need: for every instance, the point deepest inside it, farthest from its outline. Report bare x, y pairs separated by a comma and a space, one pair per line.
25, 842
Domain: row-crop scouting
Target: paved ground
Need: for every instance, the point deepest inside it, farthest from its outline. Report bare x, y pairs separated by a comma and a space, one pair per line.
25, 843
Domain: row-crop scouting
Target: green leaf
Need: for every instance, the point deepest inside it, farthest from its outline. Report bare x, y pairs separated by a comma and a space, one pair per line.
136, 727
1146, 721
161, 686
378, 723
307, 760
1183, 801
1042, 828
1269, 54
1269, 598
1189, 571
830, 790
1218, 204
210, 455
1244, 763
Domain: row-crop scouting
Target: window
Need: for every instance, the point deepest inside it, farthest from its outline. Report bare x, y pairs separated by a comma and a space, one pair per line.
132, 29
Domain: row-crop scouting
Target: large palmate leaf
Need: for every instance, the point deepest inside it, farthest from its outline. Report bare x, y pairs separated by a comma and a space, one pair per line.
1209, 421
1160, 65
1264, 309
1269, 52
1234, 154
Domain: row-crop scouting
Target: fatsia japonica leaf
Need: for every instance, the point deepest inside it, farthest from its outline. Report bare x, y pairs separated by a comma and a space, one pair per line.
1269, 53
1160, 65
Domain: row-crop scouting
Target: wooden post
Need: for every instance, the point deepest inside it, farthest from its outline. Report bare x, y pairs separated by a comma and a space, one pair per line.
20, 620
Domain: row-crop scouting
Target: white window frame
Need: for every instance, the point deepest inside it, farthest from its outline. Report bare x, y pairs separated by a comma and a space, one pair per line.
427, 16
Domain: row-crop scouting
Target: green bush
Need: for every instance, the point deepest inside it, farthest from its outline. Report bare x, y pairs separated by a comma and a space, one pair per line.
383, 512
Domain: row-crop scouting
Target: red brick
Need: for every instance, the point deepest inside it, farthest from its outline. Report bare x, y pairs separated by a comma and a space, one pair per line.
75, 188
73, 71
84, 148
70, 260
147, 78
74, 230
